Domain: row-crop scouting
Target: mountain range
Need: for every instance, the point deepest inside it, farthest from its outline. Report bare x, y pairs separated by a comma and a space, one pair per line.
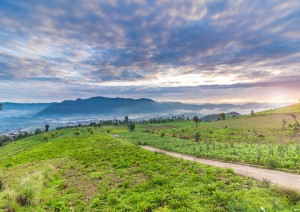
123, 106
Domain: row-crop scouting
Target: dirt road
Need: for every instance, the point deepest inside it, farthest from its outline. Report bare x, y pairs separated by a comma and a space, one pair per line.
279, 178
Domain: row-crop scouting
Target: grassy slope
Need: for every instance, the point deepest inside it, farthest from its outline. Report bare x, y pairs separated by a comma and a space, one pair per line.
295, 108
257, 140
100, 173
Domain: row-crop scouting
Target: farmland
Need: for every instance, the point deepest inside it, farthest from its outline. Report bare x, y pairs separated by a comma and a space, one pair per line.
259, 140
97, 172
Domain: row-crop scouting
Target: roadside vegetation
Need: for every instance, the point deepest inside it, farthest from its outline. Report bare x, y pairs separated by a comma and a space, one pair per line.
271, 141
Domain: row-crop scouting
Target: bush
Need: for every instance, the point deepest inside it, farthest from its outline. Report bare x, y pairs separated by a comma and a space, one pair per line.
272, 163
30, 190
46, 137
131, 126
197, 137
37, 131
53, 134
4, 139
77, 133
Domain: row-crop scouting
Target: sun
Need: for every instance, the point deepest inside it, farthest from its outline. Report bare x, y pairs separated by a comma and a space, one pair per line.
280, 96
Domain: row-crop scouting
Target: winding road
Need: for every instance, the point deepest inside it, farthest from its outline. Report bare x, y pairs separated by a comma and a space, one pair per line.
279, 178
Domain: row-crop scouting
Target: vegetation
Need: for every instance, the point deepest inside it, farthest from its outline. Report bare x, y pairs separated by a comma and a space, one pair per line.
85, 168
295, 108
196, 119
47, 128
131, 126
270, 140
37, 131
97, 172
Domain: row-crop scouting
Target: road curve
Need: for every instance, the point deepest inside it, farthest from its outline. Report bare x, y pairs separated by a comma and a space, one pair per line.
279, 178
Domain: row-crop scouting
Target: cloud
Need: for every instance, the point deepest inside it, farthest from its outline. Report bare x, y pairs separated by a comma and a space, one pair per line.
170, 45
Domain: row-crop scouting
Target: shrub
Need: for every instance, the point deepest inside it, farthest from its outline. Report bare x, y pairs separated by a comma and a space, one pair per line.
30, 190
37, 131
46, 137
272, 163
4, 139
197, 137
162, 134
131, 126
77, 133
53, 134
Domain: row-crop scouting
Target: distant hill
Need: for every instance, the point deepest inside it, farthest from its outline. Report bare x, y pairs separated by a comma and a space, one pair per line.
9, 106
123, 106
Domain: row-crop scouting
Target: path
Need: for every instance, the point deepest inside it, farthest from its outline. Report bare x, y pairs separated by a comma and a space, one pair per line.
281, 179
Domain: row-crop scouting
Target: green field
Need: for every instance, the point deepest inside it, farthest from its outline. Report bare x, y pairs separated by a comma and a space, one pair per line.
259, 140
96, 172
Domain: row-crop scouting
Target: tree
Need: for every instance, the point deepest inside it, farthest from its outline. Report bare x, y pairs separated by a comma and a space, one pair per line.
4, 139
221, 116
47, 127
126, 119
196, 120
131, 126
37, 131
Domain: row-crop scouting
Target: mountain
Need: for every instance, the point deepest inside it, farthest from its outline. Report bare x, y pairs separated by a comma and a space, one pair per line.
9, 106
123, 106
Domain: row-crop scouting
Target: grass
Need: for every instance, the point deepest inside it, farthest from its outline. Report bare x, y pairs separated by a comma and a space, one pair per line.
97, 172
295, 108
259, 140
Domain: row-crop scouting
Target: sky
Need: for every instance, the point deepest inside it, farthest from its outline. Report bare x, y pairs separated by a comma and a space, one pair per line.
190, 51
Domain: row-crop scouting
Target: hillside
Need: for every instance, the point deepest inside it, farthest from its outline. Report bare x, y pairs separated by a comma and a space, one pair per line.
96, 172
270, 140
295, 108
25, 106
